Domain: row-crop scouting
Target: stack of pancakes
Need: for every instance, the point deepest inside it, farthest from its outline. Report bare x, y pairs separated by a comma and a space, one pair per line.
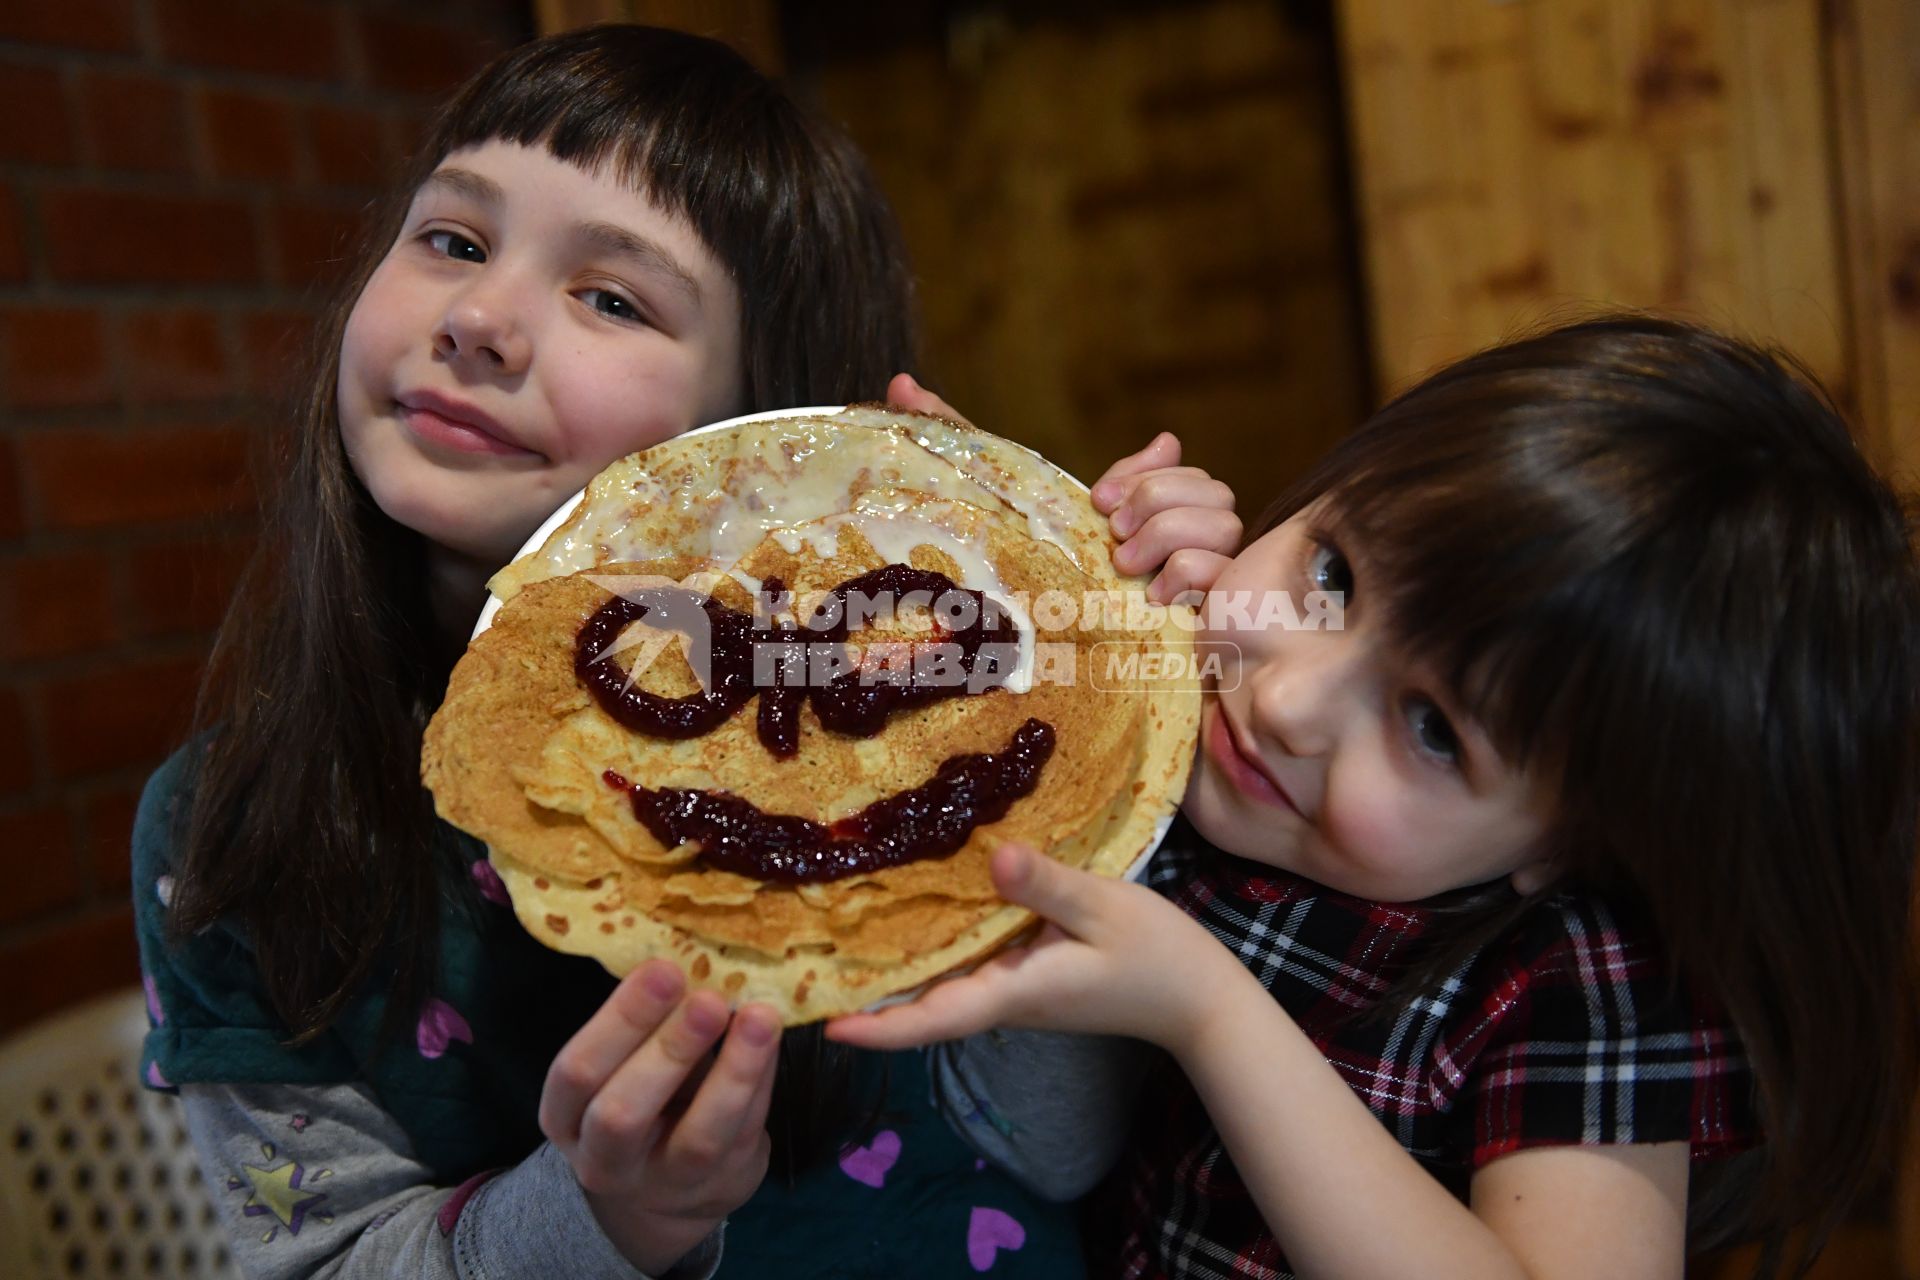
523, 756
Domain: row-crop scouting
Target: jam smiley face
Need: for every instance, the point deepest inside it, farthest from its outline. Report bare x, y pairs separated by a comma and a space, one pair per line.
930, 820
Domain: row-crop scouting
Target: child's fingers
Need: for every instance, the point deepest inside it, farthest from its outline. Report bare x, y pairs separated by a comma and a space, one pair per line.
1065, 895
1164, 490
1188, 569
909, 394
882, 1030
623, 1117
958, 1007
634, 1011
725, 1104
754, 1119
1162, 535
1161, 451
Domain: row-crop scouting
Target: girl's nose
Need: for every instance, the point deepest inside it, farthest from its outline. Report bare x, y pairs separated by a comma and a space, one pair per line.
481, 328
1302, 691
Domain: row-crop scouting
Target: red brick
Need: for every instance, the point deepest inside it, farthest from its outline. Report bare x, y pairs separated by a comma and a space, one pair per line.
92, 479
274, 342
12, 497
173, 355
113, 237
13, 237
37, 862
314, 241
269, 36
414, 55
17, 743
403, 132
52, 357
347, 146
56, 603
72, 962
34, 105
250, 135
104, 25
13, 507
109, 838
121, 715
182, 586
134, 121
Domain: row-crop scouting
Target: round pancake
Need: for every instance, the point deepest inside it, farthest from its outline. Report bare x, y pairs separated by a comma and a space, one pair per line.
716, 494
517, 753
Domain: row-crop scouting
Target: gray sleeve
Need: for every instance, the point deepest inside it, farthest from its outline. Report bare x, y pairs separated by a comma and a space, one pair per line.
1051, 1109
317, 1181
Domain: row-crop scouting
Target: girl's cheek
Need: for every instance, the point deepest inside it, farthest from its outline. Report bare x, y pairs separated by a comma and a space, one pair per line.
607, 411
384, 305
1362, 822
1247, 607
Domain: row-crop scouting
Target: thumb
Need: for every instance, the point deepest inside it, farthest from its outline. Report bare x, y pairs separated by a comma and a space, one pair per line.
1064, 895
904, 390
1161, 451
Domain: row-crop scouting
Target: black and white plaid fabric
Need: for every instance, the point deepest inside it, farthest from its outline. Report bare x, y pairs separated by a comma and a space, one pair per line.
1564, 1032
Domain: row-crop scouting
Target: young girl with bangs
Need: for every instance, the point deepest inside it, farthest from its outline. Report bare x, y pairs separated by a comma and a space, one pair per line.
610, 236
1547, 917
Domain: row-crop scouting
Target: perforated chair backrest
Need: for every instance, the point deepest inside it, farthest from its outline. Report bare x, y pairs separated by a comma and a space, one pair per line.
97, 1176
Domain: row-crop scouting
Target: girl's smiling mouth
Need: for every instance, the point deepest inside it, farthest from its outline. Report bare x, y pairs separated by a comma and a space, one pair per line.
1248, 777
453, 424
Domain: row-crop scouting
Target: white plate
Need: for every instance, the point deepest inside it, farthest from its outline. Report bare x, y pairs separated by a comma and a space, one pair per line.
559, 517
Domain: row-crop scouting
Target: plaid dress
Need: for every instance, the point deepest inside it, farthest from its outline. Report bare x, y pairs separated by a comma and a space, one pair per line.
1563, 1032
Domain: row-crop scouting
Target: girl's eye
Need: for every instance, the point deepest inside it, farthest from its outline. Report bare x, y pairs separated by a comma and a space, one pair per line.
451, 244
610, 304
1432, 732
1329, 571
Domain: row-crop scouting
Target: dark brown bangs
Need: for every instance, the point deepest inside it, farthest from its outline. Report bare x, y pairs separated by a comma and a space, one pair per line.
667, 115
1494, 567
785, 203
1535, 518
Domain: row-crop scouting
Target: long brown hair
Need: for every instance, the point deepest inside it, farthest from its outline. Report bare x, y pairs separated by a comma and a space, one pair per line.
307, 823
1657, 567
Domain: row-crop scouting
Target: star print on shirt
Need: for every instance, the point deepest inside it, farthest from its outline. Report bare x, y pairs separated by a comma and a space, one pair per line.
277, 1193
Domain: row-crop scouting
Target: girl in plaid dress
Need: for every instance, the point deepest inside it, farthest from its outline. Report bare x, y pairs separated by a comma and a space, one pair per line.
1544, 915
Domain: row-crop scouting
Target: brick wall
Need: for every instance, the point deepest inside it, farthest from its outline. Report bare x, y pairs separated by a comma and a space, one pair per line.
175, 176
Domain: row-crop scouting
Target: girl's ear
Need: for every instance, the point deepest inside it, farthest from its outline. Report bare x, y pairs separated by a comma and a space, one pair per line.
1534, 876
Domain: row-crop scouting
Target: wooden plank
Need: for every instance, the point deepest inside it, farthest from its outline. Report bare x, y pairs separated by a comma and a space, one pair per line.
1123, 224
1793, 282
1520, 162
550, 16
1406, 175
1575, 123
1874, 60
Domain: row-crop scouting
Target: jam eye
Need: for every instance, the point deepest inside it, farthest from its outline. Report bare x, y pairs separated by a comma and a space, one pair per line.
1329, 571
451, 244
1432, 732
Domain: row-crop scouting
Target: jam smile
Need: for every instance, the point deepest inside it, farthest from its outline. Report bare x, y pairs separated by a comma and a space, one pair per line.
931, 820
